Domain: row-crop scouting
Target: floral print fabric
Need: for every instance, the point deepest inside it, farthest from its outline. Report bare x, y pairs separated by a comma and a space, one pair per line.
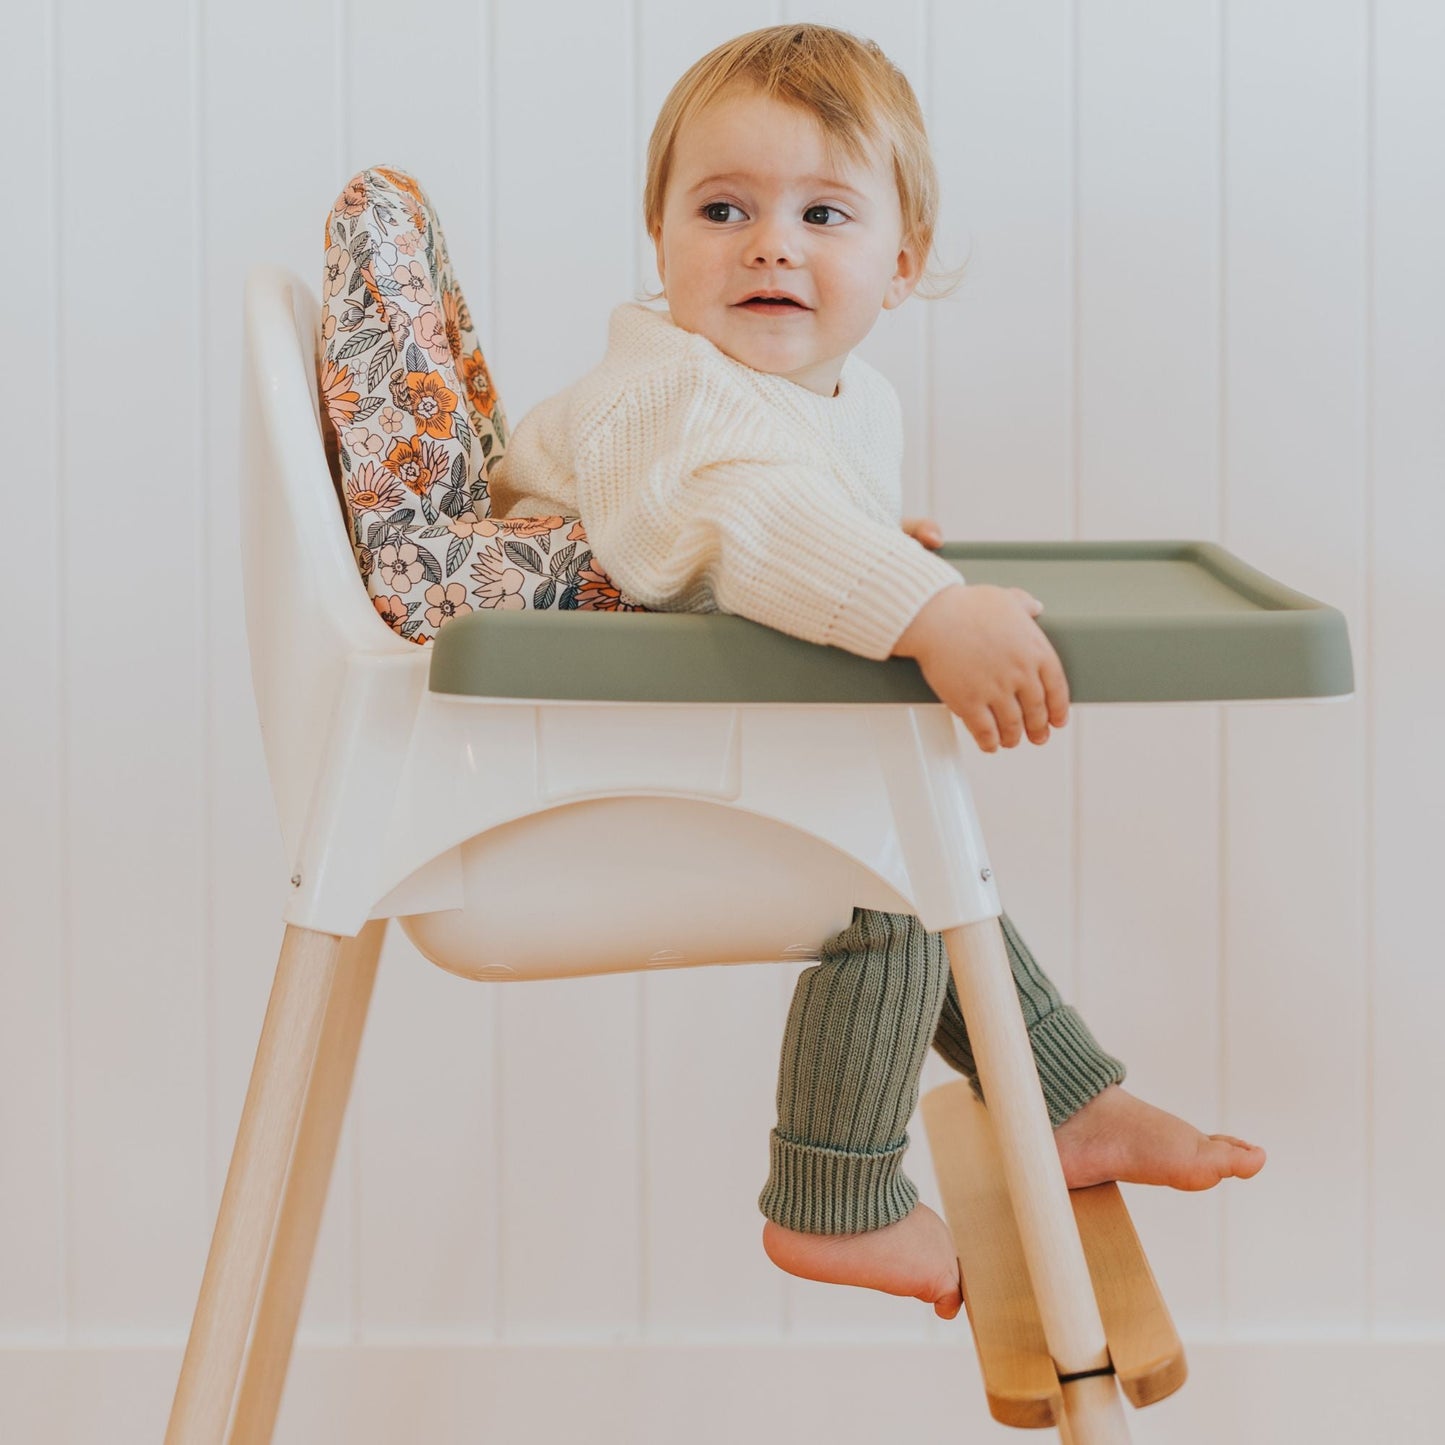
413, 427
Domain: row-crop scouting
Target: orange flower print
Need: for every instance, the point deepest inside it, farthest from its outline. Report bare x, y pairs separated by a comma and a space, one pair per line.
402, 182
407, 242
444, 603
478, 382
415, 284
471, 525
397, 566
352, 201
431, 334
373, 489
390, 420
498, 586
578, 532
528, 526
453, 309
336, 393
598, 593
431, 404
417, 463
392, 611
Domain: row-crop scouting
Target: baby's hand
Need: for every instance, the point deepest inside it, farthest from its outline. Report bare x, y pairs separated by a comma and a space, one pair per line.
989, 662
924, 530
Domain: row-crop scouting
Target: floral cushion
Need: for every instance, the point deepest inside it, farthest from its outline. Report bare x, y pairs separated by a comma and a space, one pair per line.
413, 427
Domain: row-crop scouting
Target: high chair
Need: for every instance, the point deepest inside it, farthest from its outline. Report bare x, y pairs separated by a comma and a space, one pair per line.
434, 786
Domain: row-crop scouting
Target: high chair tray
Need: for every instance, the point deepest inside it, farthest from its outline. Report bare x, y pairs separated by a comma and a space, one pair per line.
1131, 622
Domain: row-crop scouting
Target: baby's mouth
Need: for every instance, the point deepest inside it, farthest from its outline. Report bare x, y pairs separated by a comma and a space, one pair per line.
772, 305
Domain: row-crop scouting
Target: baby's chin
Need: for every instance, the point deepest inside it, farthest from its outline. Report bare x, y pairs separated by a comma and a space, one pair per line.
772, 357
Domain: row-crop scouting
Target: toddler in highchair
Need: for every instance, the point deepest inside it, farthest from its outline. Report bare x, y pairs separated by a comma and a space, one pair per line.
731, 453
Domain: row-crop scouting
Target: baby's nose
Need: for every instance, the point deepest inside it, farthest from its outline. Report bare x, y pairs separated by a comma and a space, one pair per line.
774, 246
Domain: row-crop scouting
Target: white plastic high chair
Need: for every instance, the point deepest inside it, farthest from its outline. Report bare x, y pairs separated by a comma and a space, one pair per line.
446, 810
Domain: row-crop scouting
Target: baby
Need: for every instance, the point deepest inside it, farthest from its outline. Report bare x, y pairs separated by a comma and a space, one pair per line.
732, 454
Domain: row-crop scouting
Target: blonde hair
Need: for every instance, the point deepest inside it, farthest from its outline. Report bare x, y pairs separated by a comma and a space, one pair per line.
848, 84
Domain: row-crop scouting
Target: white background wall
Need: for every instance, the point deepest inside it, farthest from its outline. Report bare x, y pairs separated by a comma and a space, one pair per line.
1205, 299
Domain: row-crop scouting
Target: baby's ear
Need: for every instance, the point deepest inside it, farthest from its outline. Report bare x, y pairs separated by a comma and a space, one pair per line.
907, 274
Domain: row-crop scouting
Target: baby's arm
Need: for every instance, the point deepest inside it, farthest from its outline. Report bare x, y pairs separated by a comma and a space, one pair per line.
985, 657
764, 534
1041, 698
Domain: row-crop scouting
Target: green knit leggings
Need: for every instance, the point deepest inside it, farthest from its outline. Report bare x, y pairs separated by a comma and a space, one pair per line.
856, 1037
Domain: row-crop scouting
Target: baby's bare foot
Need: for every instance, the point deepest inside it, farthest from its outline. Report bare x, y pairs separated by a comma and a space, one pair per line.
1116, 1136
913, 1256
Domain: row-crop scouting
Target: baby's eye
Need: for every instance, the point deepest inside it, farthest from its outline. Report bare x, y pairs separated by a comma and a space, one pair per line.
724, 206
840, 215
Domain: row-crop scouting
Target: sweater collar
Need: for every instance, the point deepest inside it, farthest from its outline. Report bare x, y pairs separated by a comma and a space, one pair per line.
661, 328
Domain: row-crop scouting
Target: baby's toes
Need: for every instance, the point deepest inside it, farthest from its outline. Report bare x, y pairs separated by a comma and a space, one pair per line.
1233, 1158
947, 1299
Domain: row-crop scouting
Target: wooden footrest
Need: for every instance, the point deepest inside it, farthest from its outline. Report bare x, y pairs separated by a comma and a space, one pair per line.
1019, 1377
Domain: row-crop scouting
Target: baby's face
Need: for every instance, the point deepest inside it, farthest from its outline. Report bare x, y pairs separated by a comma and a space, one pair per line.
753, 205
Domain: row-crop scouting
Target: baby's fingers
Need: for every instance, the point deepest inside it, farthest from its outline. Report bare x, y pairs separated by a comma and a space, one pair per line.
1056, 689
1035, 709
980, 722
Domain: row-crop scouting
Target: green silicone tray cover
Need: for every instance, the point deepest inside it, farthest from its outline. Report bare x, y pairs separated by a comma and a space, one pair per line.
1131, 622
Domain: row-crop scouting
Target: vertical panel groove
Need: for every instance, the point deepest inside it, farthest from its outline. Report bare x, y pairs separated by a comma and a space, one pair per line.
203, 598
640, 983
925, 331
1221, 718
489, 11
62, 691
1367, 531
1076, 751
338, 80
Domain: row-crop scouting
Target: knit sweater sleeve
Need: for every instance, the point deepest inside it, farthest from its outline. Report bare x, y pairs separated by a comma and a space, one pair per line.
704, 508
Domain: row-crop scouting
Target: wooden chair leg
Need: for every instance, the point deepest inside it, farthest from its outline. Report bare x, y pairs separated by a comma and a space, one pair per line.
313, 1159
1053, 1253
254, 1181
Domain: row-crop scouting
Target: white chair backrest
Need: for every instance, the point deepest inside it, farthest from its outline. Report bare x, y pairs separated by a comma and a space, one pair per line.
307, 610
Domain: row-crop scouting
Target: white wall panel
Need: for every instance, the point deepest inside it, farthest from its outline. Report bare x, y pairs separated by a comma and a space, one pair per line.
1405, 689
571, 1106
1001, 88
1203, 298
1148, 353
34, 1126
427, 1174
1295, 808
711, 1036
137, 872
267, 185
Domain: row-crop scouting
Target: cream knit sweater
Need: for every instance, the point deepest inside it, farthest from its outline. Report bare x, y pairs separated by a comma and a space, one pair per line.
707, 486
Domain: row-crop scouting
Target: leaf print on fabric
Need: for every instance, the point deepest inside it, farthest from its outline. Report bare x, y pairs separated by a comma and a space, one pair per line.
413, 427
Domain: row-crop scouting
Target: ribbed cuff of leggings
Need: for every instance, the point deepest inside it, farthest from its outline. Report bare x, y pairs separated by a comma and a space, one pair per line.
1072, 1067
832, 1191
